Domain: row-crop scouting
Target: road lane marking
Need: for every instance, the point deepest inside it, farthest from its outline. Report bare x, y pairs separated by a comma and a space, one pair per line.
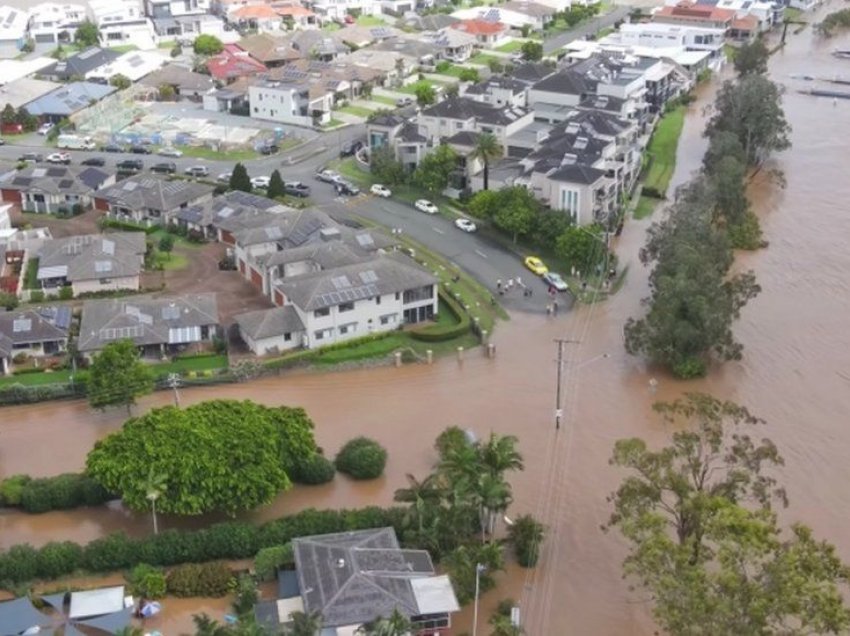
481, 254
437, 230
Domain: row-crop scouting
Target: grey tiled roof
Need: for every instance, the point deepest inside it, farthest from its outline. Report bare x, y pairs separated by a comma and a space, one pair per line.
233, 211
597, 122
69, 99
144, 320
81, 63
6, 345
56, 179
467, 108
355, 577
385, 274
92, 256
496, 81
43, 324
565, 81
325, 255
577, 174
269, 323
388, 120
464, 138
149, 192
531, 72
409, 133
292, 228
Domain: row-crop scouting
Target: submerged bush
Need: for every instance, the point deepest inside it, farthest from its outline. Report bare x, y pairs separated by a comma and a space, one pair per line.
362, 458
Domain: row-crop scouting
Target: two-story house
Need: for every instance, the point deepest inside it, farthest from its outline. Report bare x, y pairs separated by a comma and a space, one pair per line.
150, 200
297, 102
399, 134
689, 13
123, 23
54, 189
54, 23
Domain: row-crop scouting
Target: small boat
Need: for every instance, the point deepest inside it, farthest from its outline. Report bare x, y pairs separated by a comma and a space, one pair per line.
842, 53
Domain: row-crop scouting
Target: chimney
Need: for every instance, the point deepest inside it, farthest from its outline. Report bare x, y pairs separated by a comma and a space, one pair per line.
329, 234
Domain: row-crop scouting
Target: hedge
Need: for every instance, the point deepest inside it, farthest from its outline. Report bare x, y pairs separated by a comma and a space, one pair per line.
199, 579
229, 540
440, 333
126, 226
69, 490
21, 394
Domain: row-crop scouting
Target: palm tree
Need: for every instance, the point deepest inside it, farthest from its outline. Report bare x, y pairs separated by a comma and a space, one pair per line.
154, 487
499, 454
421, 494
487, 148
396, 625
493, 495
206, 626
129, 630
303, 624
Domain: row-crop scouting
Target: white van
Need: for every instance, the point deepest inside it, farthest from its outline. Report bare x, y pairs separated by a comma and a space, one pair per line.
75, 142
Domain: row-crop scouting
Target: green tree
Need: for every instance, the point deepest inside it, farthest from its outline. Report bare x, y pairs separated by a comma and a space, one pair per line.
526, 535
276, 187
166, 244
423, 496
166, 92
583, 248
425, 94
26, 119
207, 45
484, 204
462, 563
704, 541
221, 455
87, 34
436, 168
751, 109
722, 145
517, 212
117, 376
468, 75
239, 179
396, 624
501, 622
245, 598
532, 51
8, 300
303, 624
730, 195
385, 167
752, 57
487, 148
120, 81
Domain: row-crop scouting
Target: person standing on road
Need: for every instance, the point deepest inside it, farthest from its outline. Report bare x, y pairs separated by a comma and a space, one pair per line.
499, 285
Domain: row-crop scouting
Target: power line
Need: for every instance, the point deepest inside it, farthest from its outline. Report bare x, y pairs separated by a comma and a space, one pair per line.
558, 412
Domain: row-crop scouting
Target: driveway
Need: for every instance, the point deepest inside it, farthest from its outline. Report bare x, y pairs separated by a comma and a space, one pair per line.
556, 42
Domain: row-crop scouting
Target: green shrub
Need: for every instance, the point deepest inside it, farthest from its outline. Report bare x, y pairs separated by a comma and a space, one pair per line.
36, 296
269, 560
526, 535
204, 579
19, 564
361, 458
147, 581
11, 489
746, 235
57, 558
116, 551
61, 493
689, 368
315, 470
66, 293
442, 333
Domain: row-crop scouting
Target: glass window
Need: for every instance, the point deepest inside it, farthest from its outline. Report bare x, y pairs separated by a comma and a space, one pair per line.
287, 337
346, 307
324, 311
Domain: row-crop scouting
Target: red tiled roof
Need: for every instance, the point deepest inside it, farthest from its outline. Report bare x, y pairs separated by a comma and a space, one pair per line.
255, 11
697, 12
293, 10
745, 23
233, 62
480, 27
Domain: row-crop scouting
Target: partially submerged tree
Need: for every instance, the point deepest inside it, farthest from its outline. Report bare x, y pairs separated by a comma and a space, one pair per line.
751, 58
117, 376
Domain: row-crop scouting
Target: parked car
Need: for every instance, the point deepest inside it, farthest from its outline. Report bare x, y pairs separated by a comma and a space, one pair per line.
130, 165
59, 157
167, 167
45, 128
296, 189
269, 149
224, 177
197, 171
2, 142
94, 161
140, 150
31, 157
401, 102
260, 182
554, 280
169, 151
466, 225
536, 265
424, 205
350, 148
112, 148
344, 187
328, 176
380, 191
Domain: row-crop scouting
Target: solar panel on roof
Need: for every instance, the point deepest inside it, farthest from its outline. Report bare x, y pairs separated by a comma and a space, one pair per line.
21, 324
340, 282
369, 276
39, 172
101, 267
66, 183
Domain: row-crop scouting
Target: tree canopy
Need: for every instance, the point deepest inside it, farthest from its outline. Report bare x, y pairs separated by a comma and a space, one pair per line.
532, 51
704, 539
583, 248
513, 210
221, 455
207, 45
87, 34
276, 186
435, 169
425, 94
385, 167
487, 148
117, 376
752, 57
120, 81
239, 179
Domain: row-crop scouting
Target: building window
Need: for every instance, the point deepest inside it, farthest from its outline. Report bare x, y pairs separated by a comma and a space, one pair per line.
349, 328
420, 293
320, 313
320, 334
346, 307
388, 319
377, 300
397, 296
287, 337
105, 281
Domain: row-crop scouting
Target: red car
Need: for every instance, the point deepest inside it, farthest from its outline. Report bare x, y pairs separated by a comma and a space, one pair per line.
349, 19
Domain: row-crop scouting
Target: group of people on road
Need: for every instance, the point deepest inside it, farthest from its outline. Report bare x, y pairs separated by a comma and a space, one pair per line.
510, 284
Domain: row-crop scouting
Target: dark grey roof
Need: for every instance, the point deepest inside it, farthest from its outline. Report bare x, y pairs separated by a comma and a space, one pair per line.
565, 81
185, 79
70, 98
92, 256
146, 191
6, 345
287, 584
323, 255
56, 179
577, 173
233, 211
80, 63
597, 123
496, 82
18, 615
467, 108
388, 120
386, 274
144, 320
46, 324
409, 133
266, 614
531, 72
464, 138
409, 46
434, 22
291, 228
269, 323
354, 577
602, 103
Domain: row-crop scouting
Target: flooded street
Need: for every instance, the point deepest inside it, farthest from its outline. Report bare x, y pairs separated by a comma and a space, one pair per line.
795, 374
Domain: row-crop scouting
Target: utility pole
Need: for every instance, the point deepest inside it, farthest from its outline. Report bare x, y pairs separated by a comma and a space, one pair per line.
558, 412
174, 382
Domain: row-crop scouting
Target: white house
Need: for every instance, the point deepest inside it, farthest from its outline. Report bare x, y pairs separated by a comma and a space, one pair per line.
123, 22
520, 14
338, 9
133, 65
457, 114
295, 102
54, 23
13, 30
174, 8
270, 331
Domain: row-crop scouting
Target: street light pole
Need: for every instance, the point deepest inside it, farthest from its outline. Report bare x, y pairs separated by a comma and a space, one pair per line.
479, 569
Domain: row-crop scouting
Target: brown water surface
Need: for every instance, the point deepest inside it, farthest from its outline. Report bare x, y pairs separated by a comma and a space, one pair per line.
795, 373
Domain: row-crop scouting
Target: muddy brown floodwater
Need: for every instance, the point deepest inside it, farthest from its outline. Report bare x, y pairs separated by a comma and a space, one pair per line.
795, 373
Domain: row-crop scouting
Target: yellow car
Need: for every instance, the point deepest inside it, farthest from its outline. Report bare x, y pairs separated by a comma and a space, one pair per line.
536, 265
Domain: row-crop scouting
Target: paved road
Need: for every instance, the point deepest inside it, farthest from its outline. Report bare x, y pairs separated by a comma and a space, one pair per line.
550, 45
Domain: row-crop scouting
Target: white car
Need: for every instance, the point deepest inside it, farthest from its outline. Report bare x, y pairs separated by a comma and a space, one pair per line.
59, 157
260, 182
169, 152
381, 191
328, 176
224, 177
45, 128
424, 205
466, 225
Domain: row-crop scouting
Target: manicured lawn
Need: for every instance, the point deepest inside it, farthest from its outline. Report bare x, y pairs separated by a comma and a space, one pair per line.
173, 261
178, 240
200, 363
451, 70
662, 150
370, 21
645, 207
124, 48
36, 379
389, 101
202, 152
31, 278
510, 47
410, 89
357, 111
484, 60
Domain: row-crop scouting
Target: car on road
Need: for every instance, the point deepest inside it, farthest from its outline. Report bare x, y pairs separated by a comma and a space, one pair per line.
344, 187
130, 165
466, 225
2, 142
381, 191
269, 149
328, 176
167, 167
224, 177
296, 189
401, 102
424, 205
554, 280
112, 148
168, 151
536, 265
94, 161
31, 157
351, 148
58, 157
260, 182
197, 171
140, 150
45, 128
